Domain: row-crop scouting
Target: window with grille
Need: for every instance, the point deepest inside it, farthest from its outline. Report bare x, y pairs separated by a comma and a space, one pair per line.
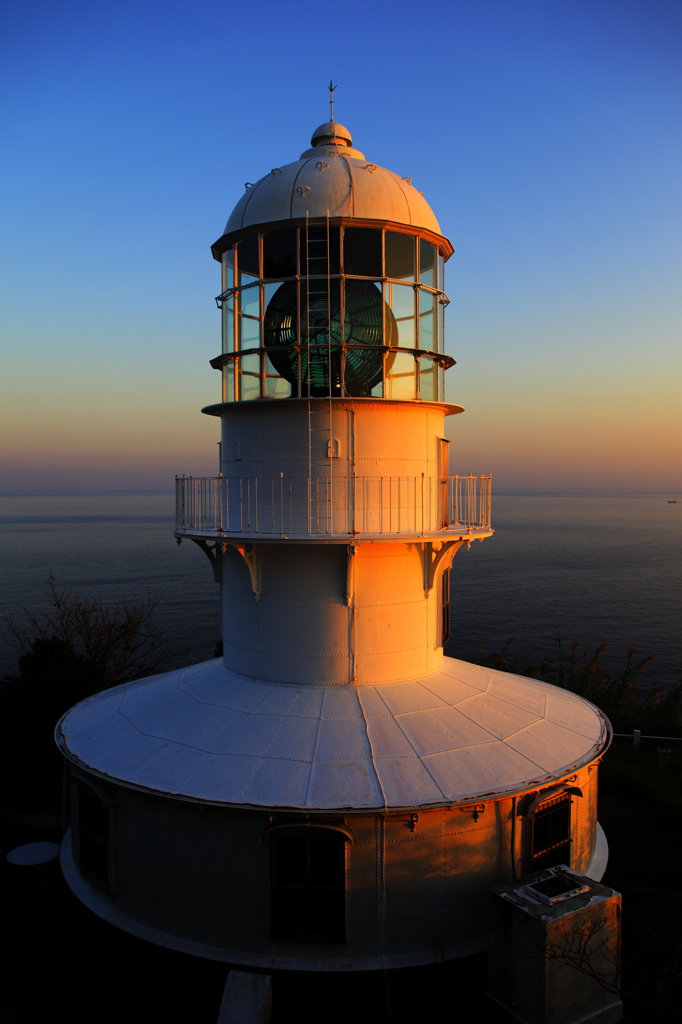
308, 885
551, 833
93, 838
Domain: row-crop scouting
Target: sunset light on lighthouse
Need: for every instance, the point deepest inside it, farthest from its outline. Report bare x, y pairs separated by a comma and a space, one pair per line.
333, 792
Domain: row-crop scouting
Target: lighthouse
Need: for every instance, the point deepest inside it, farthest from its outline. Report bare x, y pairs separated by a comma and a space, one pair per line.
333, 793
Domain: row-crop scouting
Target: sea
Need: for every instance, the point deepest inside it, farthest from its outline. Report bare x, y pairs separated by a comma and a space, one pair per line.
592, 567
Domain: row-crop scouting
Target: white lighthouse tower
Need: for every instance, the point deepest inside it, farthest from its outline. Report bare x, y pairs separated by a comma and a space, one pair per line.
334, 793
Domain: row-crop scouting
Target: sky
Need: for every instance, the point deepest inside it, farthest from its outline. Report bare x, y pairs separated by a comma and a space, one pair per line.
544, 133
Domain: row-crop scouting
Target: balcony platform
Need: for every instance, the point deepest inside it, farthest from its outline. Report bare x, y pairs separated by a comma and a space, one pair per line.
466, 534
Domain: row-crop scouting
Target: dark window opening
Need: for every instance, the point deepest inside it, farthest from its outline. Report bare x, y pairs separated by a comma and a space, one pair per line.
321, 255
279, 253
400, 256
551, 833
308, 886
93, 838
362, 252
445, 606
248, 256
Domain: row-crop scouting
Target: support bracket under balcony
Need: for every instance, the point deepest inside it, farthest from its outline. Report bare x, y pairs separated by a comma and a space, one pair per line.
249, 553
437, 555
211, 551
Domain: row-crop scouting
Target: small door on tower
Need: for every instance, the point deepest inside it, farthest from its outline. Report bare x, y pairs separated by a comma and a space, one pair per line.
330, 436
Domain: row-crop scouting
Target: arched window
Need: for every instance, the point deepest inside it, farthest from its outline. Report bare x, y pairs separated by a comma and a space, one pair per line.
307, 885
92, 836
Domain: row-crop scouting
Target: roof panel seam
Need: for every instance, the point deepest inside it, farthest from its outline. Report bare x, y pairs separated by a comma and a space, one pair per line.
368, 742
251, 192
398, 181
351, 197
495, 696
410, 744
312, 760
293, 187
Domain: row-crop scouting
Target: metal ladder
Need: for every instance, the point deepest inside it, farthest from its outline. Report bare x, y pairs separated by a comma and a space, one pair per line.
317, 261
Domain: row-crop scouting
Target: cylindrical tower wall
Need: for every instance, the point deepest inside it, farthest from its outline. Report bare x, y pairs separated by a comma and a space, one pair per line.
332, 613
371, 438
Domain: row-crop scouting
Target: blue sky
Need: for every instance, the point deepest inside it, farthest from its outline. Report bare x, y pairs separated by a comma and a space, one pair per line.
546, 136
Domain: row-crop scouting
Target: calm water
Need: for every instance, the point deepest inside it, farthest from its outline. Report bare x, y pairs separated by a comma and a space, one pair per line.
593, 567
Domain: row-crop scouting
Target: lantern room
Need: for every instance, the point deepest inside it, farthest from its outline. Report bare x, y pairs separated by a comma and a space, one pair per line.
321, 302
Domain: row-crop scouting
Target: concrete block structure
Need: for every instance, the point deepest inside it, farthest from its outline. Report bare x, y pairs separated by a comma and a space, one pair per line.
554, 954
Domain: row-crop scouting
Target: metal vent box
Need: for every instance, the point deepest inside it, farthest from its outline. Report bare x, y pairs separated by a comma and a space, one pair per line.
554, 953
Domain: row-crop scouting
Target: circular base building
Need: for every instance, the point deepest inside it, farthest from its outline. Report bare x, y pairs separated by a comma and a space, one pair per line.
349, 827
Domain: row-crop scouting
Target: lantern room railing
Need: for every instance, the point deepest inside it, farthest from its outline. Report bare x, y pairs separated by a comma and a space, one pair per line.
286, 506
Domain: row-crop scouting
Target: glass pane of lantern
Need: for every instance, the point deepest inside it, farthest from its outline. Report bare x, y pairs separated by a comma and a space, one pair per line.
228, 269
401, 302
427, 263
428, 379
249, 333
268, 291
362, 252
228, 327
228, 381
247, 258
320, 330
400, 252
249, 386
274, 386
250, 301
280, 326
400, 376
364, 330
427, 320
279, 253
334, 249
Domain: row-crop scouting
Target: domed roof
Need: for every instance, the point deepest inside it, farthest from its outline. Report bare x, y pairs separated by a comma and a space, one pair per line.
332, 179
203, 733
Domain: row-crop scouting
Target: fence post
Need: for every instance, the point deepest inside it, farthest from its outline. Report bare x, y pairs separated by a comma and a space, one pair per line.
636, 737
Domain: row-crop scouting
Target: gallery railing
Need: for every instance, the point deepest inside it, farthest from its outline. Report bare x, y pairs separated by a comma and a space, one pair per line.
289, 506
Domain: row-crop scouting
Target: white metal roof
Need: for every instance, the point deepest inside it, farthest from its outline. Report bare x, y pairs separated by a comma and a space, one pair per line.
336, 180
205, 734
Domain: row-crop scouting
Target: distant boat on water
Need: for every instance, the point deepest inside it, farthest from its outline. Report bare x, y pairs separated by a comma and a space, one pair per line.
672, 501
